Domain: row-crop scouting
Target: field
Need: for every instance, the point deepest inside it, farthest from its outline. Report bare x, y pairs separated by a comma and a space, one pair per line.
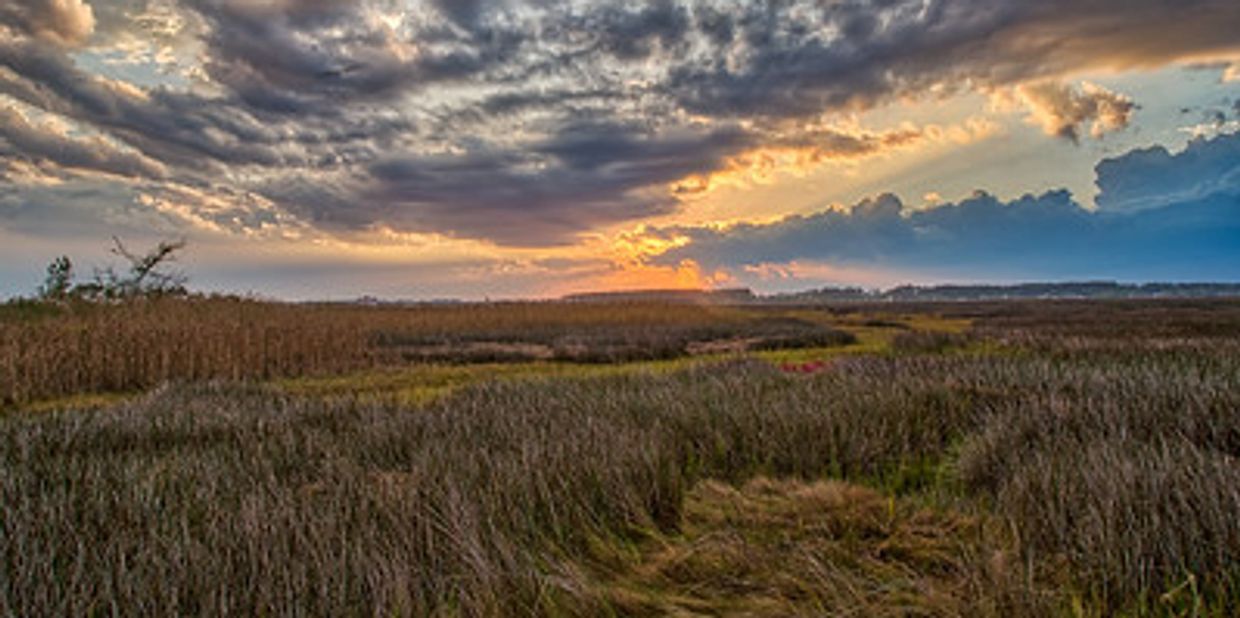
215, 456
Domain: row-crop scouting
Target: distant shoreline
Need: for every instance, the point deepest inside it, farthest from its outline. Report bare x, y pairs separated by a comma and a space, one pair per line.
943, 293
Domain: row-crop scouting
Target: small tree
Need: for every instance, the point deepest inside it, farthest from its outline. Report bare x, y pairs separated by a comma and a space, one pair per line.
59, 281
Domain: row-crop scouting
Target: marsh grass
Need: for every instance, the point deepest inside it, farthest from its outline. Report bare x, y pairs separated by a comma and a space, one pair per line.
826, 548
1095, 475
929, 342
1133, 476
232, 499
50, 351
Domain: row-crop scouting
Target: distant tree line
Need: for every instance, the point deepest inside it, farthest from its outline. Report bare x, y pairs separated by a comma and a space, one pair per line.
910, 293
1064, 290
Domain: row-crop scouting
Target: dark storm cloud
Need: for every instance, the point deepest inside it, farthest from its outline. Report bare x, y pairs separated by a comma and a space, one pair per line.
633, 34
518, 102
292, 57
718, 26
175, 128
583, 177
297, 94
1187, 233
464, 13
20, 139
591, 146
895, 47
317, 56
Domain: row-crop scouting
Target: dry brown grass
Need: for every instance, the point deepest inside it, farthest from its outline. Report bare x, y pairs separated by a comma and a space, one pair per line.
49, 352
929, 342
1111, 461
1130, 473
88, 348
790, 548
506, 499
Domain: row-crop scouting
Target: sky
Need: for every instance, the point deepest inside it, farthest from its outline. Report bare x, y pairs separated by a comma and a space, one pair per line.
426, 149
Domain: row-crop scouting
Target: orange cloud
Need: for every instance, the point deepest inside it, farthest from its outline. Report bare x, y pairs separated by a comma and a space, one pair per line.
1232, 72
819, 145
1062, 110
636, 275
643, 242
60, 22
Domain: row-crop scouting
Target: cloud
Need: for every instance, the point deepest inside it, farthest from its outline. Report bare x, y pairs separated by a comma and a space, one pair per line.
44, 144
77, 208
583, 177
1154, 177
814, 146
302, 57
464, 13
1063, 110
1231, 73
537, 121
1189, 228
61, 22
784, 66
634, 35
178, 129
